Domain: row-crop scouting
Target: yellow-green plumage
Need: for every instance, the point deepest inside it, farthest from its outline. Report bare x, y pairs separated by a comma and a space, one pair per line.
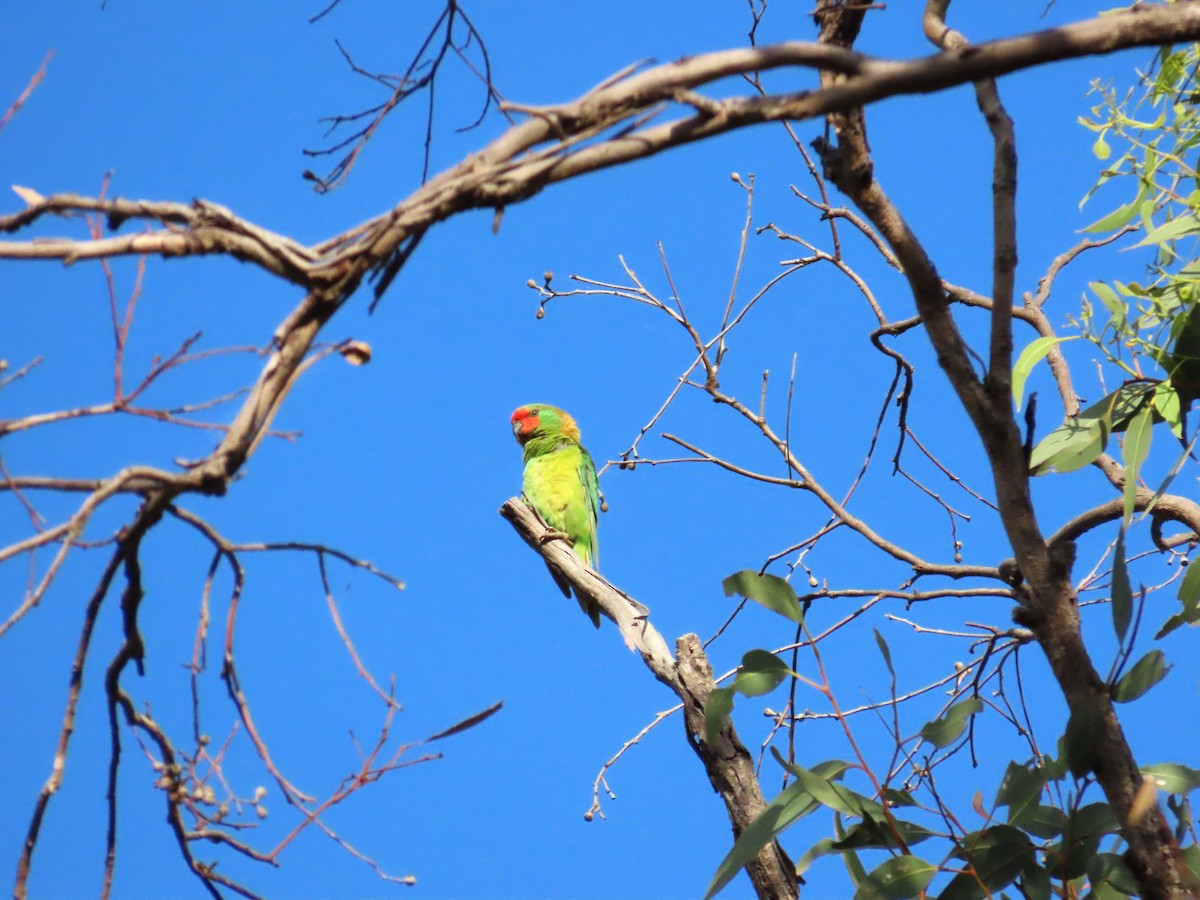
560, 483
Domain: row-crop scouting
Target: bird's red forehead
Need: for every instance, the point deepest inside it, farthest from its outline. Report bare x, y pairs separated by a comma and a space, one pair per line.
524, 420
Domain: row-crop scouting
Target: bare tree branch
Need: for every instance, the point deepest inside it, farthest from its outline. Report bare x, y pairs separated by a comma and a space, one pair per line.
34, 81
510, 169
728, 763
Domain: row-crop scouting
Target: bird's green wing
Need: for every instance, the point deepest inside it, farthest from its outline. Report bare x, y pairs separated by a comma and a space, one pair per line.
591, 496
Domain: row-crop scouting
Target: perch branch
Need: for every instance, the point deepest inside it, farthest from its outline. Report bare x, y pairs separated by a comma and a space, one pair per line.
728, 763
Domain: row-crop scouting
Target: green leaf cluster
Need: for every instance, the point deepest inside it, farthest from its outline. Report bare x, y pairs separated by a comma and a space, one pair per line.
1149, 141
1050, 843
1149, 330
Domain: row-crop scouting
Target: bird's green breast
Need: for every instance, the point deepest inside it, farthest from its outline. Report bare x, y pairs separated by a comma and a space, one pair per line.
555, 484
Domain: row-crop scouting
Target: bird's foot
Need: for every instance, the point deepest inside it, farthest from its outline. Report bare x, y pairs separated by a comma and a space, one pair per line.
554, 536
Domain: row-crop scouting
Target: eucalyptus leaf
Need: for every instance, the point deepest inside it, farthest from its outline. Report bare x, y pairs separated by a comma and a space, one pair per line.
716, 711
1021, 789
1145, 674
1109, 870
1084, 728
882, 833
1167, 405
837, 796
1122, 590
770, 590
1114, 304
946, 730
1171, 231
1041, 821
1033, 354
1093, 820
1068, 448
1189, 588
791, 804
1176, 621
1135, 451
761, 673
1081, 439
1071, 446
812, 854
896, 878
1119, 217
887, 654
1173, 778
1184, 359
996, 856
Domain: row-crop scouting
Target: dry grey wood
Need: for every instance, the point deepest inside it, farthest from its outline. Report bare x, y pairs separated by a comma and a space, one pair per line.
730, 770
563, 141
727, 762
631, 618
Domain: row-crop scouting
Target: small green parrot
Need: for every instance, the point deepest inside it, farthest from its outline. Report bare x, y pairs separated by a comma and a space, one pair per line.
560, 483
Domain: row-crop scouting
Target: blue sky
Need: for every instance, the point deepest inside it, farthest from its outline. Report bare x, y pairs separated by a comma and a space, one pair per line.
406, 460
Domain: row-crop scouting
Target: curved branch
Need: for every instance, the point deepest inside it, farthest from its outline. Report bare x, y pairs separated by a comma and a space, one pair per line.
727, 761
1168, 508
510, 169
196, 229
844, 516
506, 171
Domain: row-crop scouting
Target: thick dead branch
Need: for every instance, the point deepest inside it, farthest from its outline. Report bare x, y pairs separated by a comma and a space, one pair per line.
728, 763
511, 169
1050, 607
631, 618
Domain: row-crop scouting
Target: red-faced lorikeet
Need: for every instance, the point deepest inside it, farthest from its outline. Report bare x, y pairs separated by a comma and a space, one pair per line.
560, 483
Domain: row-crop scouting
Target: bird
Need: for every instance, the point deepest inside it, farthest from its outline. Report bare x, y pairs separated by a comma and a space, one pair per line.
560, 484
